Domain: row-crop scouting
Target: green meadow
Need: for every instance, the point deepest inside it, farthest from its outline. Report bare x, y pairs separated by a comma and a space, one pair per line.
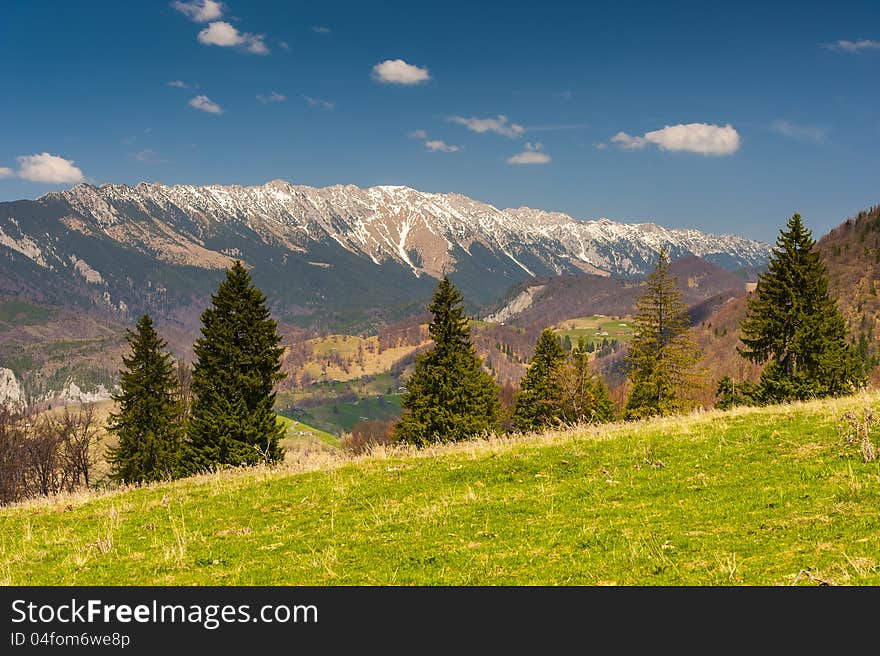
768, 496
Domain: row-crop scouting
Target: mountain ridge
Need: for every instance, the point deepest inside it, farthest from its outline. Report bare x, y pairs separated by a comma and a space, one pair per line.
338, 253
466, 219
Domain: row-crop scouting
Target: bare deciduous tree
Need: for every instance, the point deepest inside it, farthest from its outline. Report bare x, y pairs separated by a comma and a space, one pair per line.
45, 454
79, 433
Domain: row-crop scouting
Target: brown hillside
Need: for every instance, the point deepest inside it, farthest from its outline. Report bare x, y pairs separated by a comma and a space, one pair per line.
852, 253
564, 297
718, 336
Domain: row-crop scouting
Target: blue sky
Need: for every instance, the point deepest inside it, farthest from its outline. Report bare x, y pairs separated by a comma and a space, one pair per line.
726, 117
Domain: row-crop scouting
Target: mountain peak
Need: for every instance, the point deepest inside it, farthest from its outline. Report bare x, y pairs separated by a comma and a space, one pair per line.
278, 183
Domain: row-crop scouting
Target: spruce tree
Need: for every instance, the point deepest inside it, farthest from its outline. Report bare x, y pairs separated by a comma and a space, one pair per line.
795, 326
147, 420
238, 362
661, 354
449, 397
585, 397
538, 402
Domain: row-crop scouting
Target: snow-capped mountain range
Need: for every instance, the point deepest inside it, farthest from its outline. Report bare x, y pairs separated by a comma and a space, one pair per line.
135, 247
392, 223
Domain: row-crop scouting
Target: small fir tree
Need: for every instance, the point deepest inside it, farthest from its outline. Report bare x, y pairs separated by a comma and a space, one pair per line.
585, 397
662, 354
147, 420
795, 326
730, 393
238, 362
449, 397
538, 402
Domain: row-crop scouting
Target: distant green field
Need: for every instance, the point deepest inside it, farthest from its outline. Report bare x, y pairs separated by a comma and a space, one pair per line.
336, 415
380, 384
767, 496
297, 430
595, 329
335, 411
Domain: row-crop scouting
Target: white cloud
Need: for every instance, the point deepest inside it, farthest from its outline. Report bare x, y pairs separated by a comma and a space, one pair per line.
180, 84
255, 44
436, 145
853, 46
600, 145
284, 44
200, 11
498, 125
206, 105
273, 97
329, 105
6, 172
47, 168
692, 137
147, 156
811, 133
531, 155
397, 71
433, 145
629, 142
221, 33
320, 29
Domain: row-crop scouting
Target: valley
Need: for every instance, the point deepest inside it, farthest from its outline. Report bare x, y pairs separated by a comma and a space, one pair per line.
68, 351
348, 272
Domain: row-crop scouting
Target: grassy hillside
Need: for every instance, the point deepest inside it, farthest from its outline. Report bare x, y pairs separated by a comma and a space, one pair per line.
750, 496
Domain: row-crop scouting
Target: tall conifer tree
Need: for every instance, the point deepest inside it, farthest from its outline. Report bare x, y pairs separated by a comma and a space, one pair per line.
662, 354
538, 403
146, 422
238, 362
795, 326
449, 397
